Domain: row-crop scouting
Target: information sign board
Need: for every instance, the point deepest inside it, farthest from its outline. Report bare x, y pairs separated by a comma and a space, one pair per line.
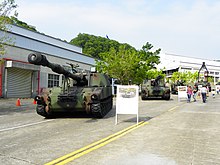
182, 92
127, 100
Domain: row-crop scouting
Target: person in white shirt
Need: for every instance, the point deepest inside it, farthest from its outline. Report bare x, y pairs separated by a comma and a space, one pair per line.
203, 93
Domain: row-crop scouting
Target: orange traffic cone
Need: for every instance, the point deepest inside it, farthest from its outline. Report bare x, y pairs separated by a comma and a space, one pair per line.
18, 102
34, 102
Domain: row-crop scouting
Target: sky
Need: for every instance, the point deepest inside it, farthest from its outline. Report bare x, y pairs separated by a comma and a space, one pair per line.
181, 27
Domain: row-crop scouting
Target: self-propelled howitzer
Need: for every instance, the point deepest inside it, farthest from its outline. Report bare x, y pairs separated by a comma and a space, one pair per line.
89, 92
155, 88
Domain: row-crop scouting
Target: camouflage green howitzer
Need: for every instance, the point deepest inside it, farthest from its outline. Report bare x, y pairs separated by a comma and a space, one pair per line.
88, 92
155, 88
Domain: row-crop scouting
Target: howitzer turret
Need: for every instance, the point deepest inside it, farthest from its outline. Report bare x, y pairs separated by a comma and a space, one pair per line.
155, 88
89, 92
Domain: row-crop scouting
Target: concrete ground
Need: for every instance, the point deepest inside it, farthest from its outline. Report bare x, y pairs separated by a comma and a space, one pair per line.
187, 135
9, 105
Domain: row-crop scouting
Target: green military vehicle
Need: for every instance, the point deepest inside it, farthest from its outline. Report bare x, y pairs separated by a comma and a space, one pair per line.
174, 86
89, 92
155, 88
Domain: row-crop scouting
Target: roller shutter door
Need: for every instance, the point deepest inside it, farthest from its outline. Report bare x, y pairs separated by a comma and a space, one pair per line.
19, 83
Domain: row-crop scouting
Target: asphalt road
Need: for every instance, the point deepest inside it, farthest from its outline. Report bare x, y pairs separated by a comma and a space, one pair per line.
170, 135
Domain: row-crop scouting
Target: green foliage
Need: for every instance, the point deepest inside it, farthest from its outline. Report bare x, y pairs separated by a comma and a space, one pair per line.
15, 21
154, 73
211, 79
118, 64
128, 64
93, 45
6, 7
185, 77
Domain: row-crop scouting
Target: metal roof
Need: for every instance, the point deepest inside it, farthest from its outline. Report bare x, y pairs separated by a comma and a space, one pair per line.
38, 42
43, 38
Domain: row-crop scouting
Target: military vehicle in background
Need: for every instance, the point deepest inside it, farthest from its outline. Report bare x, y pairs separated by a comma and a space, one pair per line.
155, 88
174, 86
88, 92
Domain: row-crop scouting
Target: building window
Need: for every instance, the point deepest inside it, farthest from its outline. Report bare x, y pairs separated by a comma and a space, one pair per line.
216, 73
53, 80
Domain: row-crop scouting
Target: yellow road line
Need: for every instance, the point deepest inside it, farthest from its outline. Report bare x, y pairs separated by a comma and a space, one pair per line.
171, 109
85, 150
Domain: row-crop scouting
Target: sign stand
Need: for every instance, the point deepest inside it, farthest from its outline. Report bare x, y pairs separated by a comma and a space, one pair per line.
127, 100
182, 92
116, 119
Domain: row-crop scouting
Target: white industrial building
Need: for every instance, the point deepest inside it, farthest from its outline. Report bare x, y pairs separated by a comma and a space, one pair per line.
20, 79
171, 63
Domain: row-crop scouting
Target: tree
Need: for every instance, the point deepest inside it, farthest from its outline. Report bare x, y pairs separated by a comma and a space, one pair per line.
154, 73
128, 64
14, 20
121, 61
94, 45
184, 77
118, 64
6, 7
147, 61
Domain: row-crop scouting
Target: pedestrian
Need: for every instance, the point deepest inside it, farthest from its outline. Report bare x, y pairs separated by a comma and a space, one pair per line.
195, 90
189, 93
208, 91
213, 93
203, 93
217, 90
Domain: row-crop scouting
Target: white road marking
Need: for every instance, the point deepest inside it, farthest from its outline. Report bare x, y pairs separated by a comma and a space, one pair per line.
25, 125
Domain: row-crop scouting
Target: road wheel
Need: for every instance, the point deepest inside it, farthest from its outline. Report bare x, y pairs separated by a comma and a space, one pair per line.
97, 110
41, 111
166, 97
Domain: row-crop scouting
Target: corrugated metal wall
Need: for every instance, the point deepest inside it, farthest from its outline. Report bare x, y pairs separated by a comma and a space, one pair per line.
19, 83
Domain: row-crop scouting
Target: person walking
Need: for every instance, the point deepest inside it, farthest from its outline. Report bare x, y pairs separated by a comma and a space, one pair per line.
203, 93
195, 90
189, 93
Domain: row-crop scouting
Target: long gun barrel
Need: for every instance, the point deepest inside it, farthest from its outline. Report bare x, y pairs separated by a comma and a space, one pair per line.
39, 59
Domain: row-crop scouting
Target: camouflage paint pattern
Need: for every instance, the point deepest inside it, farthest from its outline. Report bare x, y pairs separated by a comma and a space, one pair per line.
89, 92
154, 88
